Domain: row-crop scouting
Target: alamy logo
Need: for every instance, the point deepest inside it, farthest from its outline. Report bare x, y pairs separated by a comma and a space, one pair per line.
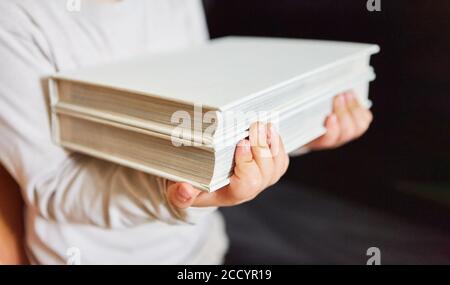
375, 256
198, 127
73, 5
373, 5
73, 256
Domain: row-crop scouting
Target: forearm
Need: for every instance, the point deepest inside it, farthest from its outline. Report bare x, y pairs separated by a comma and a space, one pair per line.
11, 221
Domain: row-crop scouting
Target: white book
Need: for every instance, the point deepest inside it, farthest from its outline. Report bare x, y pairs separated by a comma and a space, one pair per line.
133, 102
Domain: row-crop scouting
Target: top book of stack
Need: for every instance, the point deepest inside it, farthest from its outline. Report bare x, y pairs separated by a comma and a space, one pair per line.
180, 114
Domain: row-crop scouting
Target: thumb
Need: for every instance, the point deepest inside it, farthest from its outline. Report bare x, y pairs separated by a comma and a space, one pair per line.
181, 195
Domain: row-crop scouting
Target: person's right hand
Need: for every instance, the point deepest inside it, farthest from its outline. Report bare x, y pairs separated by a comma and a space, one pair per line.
260, 162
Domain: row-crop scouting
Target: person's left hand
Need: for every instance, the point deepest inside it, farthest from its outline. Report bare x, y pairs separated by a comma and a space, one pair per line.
348, 121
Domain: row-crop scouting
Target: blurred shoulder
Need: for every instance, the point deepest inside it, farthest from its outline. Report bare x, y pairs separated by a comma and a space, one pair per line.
14, 16
19, 16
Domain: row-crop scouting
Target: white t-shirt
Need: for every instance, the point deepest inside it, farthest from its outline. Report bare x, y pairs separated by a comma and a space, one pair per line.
106, 213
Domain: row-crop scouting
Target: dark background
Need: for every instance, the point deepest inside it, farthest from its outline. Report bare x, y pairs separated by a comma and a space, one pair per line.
402, 165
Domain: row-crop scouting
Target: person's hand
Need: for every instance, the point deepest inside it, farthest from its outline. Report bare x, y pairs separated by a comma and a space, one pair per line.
259, 162
348, 121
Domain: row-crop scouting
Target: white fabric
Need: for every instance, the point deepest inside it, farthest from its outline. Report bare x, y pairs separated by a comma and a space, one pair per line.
111, 214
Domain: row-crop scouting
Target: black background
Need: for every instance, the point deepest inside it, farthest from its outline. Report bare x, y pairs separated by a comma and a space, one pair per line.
402, 164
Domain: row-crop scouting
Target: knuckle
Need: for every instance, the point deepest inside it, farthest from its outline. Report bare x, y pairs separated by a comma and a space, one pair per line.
254, 183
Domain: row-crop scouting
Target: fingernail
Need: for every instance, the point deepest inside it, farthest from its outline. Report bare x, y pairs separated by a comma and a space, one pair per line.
183, 194
262, 129
349, 96
341, 100
272, 130
262, 134
245, 146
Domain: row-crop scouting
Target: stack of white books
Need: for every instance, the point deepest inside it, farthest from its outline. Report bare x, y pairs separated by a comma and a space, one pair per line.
180, 114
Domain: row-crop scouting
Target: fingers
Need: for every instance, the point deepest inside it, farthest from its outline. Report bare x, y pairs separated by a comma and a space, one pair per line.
348, 121
245, 183
331, 138
182, 195
243, 153
246, 166
260, 161
273, 140
345, 119
361, 116
261, 152
258, 165
269, 162
280, 158
355, 120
